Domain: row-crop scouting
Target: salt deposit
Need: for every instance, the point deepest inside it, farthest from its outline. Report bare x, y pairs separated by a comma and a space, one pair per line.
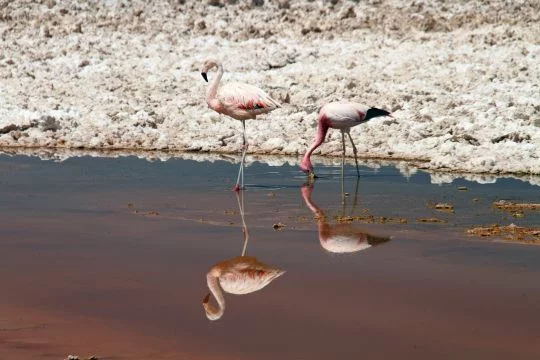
461, 78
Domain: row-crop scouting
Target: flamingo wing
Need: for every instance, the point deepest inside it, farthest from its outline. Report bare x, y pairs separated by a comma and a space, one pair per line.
246, 97
344, 112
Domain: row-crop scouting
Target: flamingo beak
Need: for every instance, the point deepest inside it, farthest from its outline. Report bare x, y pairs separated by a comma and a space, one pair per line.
204, 76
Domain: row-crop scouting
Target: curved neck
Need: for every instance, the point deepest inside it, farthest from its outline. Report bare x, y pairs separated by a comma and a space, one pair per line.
322, 129
212, 312
212, 89
306, 194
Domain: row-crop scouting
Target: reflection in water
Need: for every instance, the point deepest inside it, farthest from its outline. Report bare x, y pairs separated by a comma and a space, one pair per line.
340, 238
240, 275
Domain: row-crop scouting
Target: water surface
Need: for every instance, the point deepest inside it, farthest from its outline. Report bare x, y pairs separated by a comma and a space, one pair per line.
110, 257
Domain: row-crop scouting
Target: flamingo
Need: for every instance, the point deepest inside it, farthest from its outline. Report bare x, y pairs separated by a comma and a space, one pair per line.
339, 238
239, 101
240, 275
342, 116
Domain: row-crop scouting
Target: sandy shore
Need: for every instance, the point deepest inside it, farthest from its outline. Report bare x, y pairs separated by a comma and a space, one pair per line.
462, 79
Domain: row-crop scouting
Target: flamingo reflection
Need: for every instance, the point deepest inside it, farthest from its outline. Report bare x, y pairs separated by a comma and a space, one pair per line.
340, 238
240, 275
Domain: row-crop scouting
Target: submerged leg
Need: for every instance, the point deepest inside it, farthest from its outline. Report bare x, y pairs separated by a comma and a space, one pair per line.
355, 154
355, 202
240, 179
342, 168
244, 226
245, 147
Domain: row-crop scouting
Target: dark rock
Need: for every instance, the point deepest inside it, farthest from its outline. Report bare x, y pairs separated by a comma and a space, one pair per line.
8, 128
465, 138
514, 136
348, 14
48, 122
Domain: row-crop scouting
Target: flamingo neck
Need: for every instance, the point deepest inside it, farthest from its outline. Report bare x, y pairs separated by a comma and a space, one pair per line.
212, 90
324, 227
212, 312
306, 194
322, 129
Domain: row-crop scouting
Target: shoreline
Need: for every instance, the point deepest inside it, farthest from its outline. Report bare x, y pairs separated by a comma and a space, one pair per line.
407, 167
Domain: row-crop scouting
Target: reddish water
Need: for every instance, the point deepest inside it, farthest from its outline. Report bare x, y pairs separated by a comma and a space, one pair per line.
83, 272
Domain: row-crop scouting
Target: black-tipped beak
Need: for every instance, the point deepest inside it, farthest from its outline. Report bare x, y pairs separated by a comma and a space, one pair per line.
204, 76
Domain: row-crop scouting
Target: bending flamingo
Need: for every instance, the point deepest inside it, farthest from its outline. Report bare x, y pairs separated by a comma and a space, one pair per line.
342, 116
340, 238
239, 101
240, 275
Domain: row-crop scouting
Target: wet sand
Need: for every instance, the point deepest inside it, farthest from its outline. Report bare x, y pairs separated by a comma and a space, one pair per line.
109, 258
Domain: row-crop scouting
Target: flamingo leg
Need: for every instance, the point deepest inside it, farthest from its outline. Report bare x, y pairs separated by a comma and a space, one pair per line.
342, 168
355, 202
355, 154
240, 199
240, 179
245, 147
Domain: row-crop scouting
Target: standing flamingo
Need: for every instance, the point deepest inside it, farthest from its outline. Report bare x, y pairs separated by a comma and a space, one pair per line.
240, 275
339, 238
342, 116
239, 101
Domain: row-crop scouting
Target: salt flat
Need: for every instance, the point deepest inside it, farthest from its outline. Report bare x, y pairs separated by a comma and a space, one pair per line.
461, 78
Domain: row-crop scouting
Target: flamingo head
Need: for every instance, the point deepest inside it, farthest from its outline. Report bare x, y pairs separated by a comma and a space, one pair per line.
208, 65
212, 313
307, 189
307, 167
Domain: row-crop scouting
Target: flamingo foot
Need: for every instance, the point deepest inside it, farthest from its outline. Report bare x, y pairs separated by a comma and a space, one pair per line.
236, 188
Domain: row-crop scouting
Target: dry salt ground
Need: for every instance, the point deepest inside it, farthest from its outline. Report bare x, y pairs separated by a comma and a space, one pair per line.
461, 78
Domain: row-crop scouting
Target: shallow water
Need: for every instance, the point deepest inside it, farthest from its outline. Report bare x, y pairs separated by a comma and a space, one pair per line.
110, 257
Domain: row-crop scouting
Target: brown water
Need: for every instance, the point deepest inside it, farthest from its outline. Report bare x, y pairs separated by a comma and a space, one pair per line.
109, 258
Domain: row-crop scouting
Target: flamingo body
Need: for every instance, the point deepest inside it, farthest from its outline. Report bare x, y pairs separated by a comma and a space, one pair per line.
240, 275
340, 238
244, 275
342, 116
239, 101
343, 238
242, 101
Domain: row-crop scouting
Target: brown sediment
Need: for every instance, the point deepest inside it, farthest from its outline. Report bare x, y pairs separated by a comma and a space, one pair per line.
431, 220
447, 207
511, 206
370, 219
529, 235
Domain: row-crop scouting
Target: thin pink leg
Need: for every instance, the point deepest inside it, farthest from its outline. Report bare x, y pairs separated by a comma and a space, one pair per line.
240, 179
